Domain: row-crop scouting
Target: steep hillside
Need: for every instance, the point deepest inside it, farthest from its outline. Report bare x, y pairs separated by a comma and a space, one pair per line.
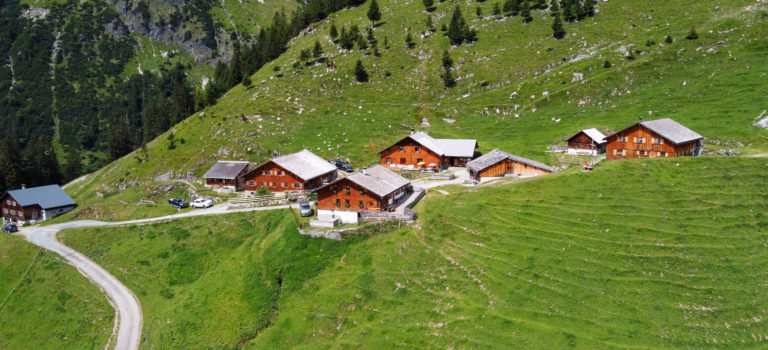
46, 304
518, 88
637, 254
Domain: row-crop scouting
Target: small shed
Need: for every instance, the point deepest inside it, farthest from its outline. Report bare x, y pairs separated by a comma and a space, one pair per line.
227, 174
35, 204
497, 163
588, 142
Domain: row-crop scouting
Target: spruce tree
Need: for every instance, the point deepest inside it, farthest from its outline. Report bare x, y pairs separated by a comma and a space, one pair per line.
409, 40
509, 7
496, 10
558, 31
373, 12
334, 32
554, 8
588, 9
317, 51
458, 27
568, 11
448, 80
692, 35
428, 5
540, 5
525, 11
430, 24
360, 74
669, 39
479, 11
447, 60
607, 64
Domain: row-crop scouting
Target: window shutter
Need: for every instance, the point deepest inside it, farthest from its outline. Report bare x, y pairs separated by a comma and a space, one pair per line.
635, 138
614, 152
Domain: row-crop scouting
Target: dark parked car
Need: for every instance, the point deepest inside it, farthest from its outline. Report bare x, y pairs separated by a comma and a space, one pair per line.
10, 228
178, 203
343, 166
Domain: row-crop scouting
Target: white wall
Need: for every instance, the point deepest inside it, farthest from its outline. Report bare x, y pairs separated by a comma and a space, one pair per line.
347, 217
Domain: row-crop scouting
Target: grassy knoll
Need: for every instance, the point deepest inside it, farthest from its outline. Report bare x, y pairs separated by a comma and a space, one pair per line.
637, 254
46, 304
519, 89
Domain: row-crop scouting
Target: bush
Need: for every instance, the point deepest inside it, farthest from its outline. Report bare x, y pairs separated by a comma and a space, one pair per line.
692, 35
263, 191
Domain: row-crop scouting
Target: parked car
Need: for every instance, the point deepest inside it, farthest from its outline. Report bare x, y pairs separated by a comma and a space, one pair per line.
343, 166
202, 202
178, 203
305, 209
10, 228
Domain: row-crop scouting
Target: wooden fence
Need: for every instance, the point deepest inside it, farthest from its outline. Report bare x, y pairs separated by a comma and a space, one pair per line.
266, 200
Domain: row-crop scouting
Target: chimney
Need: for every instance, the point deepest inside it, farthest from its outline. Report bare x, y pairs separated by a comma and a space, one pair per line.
23, 186
364, 172
413, 131
641, 119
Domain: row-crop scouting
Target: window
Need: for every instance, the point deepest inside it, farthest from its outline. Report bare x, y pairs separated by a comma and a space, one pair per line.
658, 141
221, 181
264, 183
285, 184
265, 172
348, 190
8, 201
402, 160
338, 202
419, 160
333, 188
251, 183
362, 204
373, 204
346, 203
619, 152
402, 149
5, 210
389, 160
622, 139
416, 149
642, 153
13, 212
274, 184
640, 140
663, 154
297, 185
362, 190
279, 173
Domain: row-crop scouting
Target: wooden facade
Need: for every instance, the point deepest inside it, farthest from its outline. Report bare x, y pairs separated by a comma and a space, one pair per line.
408, 152
638, 141
278, 179
346, 195
509, 166
582, 141
14, 212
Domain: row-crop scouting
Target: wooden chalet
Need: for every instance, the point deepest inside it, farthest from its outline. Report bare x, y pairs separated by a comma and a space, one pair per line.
373, 189
227, 174
661, 138
587, 142
35, 204
301, 171
497, 164
421, 151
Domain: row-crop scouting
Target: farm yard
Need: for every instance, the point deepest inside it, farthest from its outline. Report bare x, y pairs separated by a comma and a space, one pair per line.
673, 258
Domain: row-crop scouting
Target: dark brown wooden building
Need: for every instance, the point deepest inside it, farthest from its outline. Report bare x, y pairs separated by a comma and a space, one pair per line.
373, 189
421, 151
227, 174
35, 204
497, 164
301, 171
587, 142
662, 138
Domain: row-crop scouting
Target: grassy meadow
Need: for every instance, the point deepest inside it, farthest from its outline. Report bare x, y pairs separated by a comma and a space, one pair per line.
636, 254
47, 304
518, 89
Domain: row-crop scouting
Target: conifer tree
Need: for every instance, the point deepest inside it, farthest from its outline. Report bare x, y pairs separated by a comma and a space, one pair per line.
479, 11
692, 35
569, 13
558, 32
430, 24
458, 27
360, 74
669, 39
374, 14
317, 51
525, 11
409, 40
496, 10
607, 64
554, 8
428, 5
447, 60
334, 32
588, 8
448, 80
540, 5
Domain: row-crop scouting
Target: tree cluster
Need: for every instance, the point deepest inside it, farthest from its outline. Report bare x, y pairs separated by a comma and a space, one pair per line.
458, 30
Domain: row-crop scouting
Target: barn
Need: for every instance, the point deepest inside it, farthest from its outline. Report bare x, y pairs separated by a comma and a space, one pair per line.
35, 204
300, 171
497, 163
227, 175
373, 189
587, 142
421, 151
662, 138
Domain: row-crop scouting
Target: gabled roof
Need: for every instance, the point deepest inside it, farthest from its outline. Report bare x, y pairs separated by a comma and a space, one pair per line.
226, 169
495, 156
47, 197
377, 179
593, 134
464, 148
668, 129
305, 164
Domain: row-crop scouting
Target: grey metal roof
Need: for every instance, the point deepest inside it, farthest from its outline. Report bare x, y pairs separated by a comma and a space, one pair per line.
496, 156
47, 197
446, 147
671, 130
592, 133
305, 164
378, 179
226, 169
